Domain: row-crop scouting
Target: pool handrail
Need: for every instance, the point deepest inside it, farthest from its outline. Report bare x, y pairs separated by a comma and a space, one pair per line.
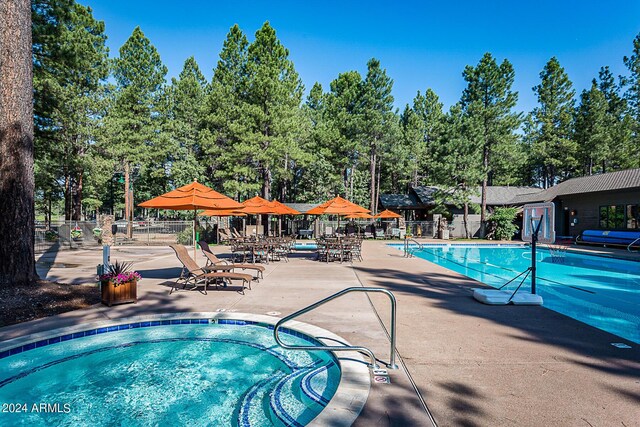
374, 363
407, 252
633, 243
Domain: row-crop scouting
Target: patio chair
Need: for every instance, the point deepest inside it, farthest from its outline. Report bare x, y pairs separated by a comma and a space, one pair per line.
194, 274
220, 264
224, 235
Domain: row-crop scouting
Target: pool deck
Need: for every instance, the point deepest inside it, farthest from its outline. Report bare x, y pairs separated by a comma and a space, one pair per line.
473, 364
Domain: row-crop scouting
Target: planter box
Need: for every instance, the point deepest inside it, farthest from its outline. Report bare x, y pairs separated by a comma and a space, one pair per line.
121, 294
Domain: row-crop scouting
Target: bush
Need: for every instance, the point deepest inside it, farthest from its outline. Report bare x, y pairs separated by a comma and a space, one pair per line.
185, 236
502, 223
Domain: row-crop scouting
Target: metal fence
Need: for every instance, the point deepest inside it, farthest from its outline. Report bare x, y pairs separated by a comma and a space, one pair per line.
427, 229
63, 235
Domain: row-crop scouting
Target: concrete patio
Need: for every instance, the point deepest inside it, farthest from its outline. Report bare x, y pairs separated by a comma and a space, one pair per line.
473, 365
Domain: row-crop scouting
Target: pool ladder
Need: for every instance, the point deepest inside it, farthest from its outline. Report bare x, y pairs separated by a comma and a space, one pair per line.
368, 352
633, 243
408, 252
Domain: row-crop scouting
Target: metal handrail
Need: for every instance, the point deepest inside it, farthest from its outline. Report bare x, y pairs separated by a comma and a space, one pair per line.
374, 364
632, 243
407, 252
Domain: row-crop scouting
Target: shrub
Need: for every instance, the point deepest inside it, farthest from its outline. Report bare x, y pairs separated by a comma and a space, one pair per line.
185, 236
502, 223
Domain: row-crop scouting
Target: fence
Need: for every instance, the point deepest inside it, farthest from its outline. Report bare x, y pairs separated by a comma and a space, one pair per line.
86, 234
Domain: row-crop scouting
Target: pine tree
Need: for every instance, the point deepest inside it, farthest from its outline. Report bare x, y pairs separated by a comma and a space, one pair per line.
459, 152
187, 95
135, 120
225, 122
379, 123
273, 99
553, 148
593, 131
70, 68
423, 127
343, 108
316, 177
17, 260
489, 101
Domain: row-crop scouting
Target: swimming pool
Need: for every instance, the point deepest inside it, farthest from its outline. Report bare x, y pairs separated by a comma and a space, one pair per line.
305, 246
602, 292
185, 371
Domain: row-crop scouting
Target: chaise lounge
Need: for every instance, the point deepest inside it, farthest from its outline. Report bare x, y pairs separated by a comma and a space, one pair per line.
219, 264
195, 275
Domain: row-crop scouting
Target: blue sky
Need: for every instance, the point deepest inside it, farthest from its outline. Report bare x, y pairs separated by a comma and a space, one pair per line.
422, 44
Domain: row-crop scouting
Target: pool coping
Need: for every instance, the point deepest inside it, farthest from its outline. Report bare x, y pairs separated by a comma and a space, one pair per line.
343, 408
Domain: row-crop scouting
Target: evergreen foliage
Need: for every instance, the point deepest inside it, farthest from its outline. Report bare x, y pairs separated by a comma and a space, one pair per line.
249, 131
554, 150
488, 101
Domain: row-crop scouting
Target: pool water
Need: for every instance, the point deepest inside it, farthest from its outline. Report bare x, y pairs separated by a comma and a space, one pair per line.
179, 374
305, 246
602, 292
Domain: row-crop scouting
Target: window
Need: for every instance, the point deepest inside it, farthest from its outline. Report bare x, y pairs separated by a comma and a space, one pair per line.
612, 216
633, 217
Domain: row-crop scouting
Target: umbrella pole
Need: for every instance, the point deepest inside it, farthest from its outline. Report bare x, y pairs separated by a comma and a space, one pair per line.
195, 254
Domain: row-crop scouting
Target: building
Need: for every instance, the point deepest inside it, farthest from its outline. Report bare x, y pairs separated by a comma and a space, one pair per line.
419, 203
608, 201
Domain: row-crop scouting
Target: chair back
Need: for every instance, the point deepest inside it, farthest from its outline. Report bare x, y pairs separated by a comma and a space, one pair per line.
185, 258
206, 250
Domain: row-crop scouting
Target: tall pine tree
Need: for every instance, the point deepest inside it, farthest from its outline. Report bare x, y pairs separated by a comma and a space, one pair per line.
135, 119
553, 148
489, 101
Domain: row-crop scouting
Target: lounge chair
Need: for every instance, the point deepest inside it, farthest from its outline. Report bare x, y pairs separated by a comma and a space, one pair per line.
224, 235
194, 274
220, 264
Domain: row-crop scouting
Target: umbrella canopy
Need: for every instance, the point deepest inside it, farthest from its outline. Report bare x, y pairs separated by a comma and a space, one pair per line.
283, 209
388, 214
192, 197
258, 205
362, 215
337, 206
222, 212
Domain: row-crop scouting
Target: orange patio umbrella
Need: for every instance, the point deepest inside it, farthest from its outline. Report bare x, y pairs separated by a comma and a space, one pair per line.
222, 212
362, 215
257, 205
283, 209
388, 214
193, 196
338, 206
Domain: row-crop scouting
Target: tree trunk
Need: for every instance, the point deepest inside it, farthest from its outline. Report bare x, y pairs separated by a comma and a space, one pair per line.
67, 197
76, 210
372, 172
266, 182
17, 227
127, 202
483, 209
49, 213
465, 219
375, 210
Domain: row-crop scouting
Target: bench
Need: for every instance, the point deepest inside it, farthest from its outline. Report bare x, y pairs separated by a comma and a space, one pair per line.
610, 237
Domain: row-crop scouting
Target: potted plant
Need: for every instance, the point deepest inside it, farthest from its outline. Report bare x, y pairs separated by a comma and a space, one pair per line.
76, 232
119, 285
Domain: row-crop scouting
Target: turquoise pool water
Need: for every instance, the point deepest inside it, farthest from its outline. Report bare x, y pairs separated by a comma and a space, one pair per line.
199, 374
602, 292
305, 246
